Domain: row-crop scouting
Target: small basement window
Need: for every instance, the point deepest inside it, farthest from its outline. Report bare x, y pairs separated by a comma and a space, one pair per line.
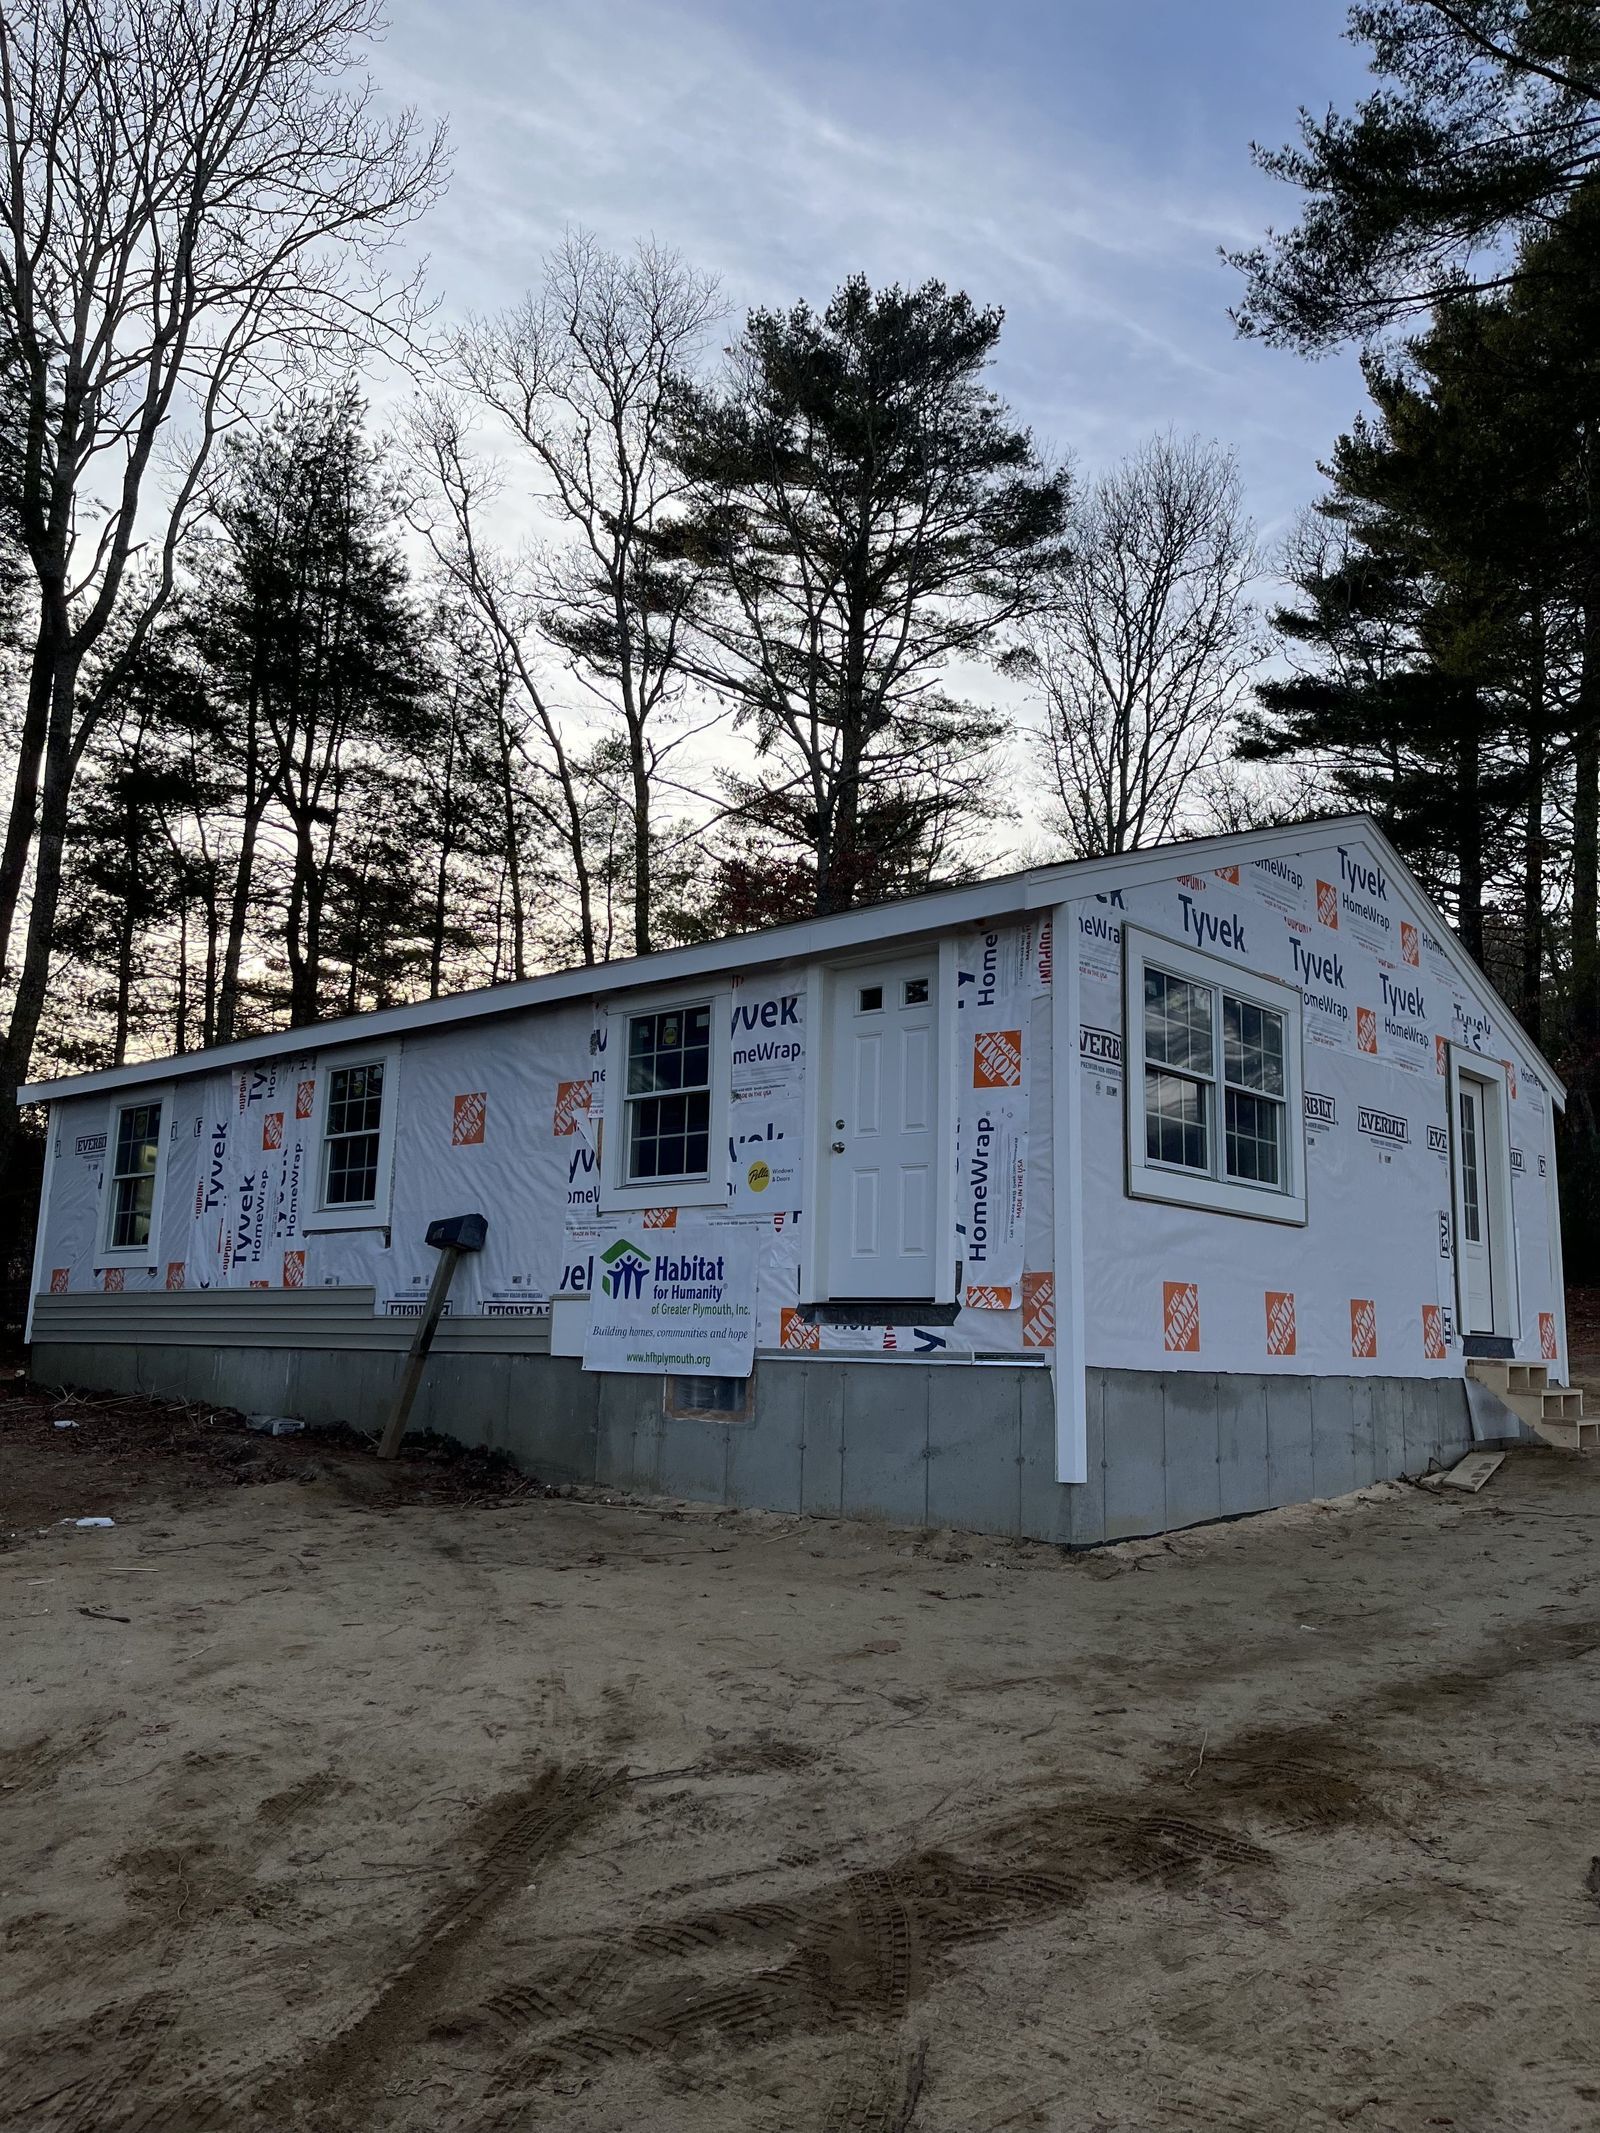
711, 1399
1215, 1116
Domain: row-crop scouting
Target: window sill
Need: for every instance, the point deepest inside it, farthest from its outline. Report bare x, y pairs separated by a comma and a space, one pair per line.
665, 1192
1217, 1196
333, 1219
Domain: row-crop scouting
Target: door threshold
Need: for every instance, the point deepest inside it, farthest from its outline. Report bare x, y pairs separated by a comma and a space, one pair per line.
880, 1311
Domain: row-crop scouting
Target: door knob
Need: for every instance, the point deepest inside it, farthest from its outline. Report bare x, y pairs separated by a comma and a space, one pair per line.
838, 1147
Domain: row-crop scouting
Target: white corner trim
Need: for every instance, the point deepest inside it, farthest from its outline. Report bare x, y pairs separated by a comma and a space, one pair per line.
1069, 1367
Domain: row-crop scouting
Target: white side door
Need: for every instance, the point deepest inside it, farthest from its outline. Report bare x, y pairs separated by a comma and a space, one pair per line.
881, 1131
1473, 1247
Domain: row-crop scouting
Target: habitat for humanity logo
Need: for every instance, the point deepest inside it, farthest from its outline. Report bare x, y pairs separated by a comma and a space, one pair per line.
626, 1266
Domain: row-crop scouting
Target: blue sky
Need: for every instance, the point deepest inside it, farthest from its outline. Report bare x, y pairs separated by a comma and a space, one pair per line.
1078, 163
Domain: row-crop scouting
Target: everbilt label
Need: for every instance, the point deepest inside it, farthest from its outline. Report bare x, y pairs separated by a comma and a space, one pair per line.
1383, 1126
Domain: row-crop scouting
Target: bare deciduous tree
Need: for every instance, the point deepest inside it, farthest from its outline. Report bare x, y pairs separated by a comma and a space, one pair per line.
1146, 652
193, 193
579, 373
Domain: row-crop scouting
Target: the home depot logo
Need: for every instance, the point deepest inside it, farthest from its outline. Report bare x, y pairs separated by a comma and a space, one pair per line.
1410, 943
294, 1270
572, 1102
177, 1273
272, 1130
1328, 904
304, 1096
1433, 1333
1441, 1055
1366, 1030
59, 1279
626, 1265
1547, 1335
983, 1297
794, 1331
1363, 1327
1228, 874
1280, 1321
111, 1280
1510, 1066
471, 1115
1180, 1317
997, 1059
658, 1218
1038, 1310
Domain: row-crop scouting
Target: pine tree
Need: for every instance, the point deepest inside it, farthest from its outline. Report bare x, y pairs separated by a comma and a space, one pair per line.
865, 512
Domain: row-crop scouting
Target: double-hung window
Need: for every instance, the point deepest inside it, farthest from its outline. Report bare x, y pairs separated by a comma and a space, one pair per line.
666, 1102
352, 1135
355, 1105
136, 1136
1212, 1063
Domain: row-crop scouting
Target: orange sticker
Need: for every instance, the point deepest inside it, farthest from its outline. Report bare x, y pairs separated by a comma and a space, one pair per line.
1510, 1066
1410, 943
272, 1130
1038, 1310
294, 1270
1228, 874
1363, 1327
1441, 1055
111, 1280
1366, 1030
1433, 1333
572, 1097
58, 1281
997, 1059
1547, 1335
261, 1284
1280, 1322
658, 1218
797, 1332
471, 1114
1327, 904
177, 1273
981, 1297
1180, 1317
304, 1096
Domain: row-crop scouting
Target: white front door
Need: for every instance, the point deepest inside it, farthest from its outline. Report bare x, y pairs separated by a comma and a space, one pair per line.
881, 1131
1473, 1239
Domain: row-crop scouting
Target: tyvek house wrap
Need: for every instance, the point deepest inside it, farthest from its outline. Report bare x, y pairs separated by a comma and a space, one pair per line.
1368, 1285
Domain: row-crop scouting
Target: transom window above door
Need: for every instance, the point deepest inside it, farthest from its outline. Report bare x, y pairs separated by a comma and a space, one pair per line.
1215, 1115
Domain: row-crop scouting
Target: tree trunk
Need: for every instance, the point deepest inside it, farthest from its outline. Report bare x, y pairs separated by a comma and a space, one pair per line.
48, 653
1469, 838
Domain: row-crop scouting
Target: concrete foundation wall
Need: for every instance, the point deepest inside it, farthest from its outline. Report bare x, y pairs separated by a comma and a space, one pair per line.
912, 1443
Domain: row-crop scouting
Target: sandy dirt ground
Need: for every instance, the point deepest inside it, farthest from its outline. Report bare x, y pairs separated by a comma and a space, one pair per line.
335, 1799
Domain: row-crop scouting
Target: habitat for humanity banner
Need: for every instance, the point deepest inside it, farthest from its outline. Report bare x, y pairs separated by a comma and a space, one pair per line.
680, 1299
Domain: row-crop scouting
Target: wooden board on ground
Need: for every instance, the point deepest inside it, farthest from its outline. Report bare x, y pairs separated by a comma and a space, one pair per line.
1473, 1471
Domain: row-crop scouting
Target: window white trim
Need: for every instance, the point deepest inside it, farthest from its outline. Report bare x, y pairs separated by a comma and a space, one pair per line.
148, 1253
617, 1194
374, 1214
1147, 1180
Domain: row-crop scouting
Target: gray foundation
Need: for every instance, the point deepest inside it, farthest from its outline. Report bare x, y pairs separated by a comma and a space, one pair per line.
913, 1444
